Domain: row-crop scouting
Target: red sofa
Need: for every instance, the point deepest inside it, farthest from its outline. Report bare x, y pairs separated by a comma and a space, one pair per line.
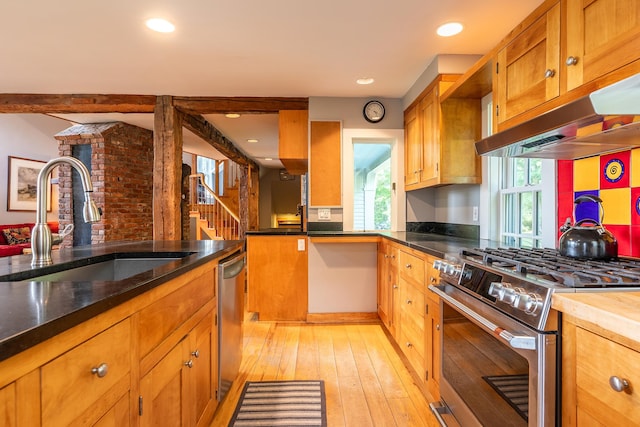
16, 249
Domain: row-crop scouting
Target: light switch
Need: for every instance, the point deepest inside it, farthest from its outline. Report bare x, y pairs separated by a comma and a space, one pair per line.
301, 245
324, 214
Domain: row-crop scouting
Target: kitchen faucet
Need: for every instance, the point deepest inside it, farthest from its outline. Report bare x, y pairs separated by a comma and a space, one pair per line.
41, 239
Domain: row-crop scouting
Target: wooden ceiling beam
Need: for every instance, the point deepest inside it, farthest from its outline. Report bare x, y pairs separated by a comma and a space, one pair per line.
17, 103
247, 105
205, 130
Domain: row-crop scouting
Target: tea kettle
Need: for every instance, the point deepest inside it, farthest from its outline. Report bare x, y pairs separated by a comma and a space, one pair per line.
591, 241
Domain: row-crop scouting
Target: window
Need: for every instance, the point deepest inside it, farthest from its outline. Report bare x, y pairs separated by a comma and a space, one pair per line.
207, 167
372, 186
521, 201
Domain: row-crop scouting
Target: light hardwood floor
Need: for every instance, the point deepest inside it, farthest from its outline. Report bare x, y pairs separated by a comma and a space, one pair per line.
366, 382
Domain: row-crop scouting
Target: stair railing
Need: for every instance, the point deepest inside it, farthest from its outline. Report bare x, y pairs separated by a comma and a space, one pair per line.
210, 207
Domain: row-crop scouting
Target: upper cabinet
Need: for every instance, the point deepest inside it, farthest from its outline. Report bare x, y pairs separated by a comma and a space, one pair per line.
563, 50
439, 139
602, 36
527, 68
293, 146
325, 173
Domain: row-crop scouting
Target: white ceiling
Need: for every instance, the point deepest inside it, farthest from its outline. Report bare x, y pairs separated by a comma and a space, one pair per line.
280, 48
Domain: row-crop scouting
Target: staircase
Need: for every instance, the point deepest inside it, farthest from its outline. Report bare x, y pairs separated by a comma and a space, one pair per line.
213, 216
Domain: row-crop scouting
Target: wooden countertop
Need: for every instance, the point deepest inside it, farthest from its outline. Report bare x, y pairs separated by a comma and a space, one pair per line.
616, 312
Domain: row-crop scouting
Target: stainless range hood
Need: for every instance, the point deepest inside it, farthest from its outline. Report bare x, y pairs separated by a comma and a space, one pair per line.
607, 120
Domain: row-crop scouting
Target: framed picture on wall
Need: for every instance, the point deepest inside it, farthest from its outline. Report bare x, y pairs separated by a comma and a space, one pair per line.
23, 183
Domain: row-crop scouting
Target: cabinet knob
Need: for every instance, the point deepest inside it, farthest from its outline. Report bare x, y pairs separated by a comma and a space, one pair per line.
395, 286
619, 384
101, 370
409, 301
437, 326
549, 73
408, 265
189, 363
196, 353
409, 344
572, 60
433, 279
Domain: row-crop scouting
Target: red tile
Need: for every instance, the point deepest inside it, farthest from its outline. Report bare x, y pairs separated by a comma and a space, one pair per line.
635, 206
635, 240
565, 175
615, 170
622, 233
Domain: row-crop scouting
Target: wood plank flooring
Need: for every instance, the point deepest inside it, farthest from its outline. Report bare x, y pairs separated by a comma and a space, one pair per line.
366, 381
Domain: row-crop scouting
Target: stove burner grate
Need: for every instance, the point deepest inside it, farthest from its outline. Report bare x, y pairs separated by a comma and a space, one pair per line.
549, 265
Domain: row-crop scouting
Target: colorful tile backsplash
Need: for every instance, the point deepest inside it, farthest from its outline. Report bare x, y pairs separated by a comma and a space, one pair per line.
612, 178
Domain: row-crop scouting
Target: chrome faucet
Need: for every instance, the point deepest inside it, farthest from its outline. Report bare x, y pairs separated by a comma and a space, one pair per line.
41, 239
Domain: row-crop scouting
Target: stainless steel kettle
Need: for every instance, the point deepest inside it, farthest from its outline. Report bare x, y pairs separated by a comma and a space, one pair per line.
591, 241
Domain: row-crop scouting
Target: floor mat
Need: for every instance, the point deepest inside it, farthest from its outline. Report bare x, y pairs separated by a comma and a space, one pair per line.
281, 403
514, 389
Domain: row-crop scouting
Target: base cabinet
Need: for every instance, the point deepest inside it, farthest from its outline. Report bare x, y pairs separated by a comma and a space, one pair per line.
150, 361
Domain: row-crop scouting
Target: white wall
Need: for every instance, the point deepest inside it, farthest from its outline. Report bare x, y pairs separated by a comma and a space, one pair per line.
29, 136
343, 277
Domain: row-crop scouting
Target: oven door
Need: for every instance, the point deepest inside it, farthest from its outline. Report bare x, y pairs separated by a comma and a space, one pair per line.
495, 370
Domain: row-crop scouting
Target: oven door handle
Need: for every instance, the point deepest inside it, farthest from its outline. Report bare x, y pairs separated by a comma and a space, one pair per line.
523, 342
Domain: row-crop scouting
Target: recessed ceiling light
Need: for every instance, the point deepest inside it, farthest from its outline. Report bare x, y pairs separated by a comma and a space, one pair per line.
365, 81
232, 115
268, 158
449, 29
252, 140
160, 25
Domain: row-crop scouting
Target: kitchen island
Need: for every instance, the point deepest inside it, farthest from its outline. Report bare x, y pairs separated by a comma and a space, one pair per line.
140, 350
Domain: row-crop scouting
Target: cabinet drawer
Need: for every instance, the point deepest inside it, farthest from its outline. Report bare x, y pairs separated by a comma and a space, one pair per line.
412, 317
596, 398
412, 351
70, 390
411, 267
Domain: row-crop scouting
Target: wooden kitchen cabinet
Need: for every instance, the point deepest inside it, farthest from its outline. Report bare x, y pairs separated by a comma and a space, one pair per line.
20, 401
178, 390
325, 172
432, 346
387, 281
277, 276
293, 140
602, 36
439, 139
527, 69
95, 376
591, 357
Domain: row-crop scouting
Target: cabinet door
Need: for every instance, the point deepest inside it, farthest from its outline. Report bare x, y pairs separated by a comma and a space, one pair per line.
325, 173
293, 140
429, 113
432, 346
527, 68
602, 36
8, 406
384, 285
84, 383
413, 147
204, 367
164, 389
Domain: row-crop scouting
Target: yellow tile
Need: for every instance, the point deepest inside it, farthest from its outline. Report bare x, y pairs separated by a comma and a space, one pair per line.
586, 174
617, 206
635, 167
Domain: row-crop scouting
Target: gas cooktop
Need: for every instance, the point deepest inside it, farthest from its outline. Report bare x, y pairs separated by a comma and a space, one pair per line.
549, 266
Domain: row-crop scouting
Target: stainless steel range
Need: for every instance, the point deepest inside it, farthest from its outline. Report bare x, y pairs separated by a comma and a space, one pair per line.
500, 337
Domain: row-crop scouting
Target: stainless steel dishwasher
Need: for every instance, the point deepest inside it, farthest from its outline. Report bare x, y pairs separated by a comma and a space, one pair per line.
231, 279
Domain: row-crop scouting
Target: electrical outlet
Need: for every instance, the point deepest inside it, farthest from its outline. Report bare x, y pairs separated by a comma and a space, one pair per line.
301, 245
324, 214
475, 213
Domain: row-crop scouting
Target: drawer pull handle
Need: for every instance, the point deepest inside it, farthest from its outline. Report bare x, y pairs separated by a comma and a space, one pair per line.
409, 344
549, 73
196, 353
572, 60
101, 370
189, 363
618, 384
409, 301
433, 279
408, 265
395, 286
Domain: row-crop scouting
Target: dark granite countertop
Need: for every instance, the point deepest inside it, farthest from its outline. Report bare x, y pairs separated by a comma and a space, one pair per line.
32, 312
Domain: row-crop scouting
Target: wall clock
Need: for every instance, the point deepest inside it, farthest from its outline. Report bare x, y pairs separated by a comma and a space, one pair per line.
373, 111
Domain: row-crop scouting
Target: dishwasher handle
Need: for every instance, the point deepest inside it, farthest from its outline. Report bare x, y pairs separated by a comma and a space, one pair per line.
232, 266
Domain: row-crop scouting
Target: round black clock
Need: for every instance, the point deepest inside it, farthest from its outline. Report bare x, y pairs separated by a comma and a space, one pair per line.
373, 111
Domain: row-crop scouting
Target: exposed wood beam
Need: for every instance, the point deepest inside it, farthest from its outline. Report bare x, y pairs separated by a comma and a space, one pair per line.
205, 130
16, 103
167, 171
253, 105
